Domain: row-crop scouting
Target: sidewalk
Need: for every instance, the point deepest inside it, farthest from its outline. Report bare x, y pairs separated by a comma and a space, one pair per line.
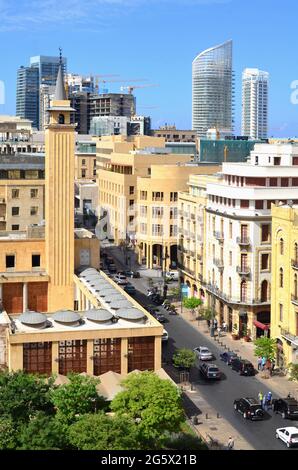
279, 385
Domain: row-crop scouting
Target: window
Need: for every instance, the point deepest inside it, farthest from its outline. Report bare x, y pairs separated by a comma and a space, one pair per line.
272, 181
83, 161
173, 231
35, 261
31, 174
281, 312
157, 196
15, 193
265, 233
143, 228
295, 286
149, 171
61, 119
157, 212
244, 204
94, 163
243, 291
131, 219
265, 261
276, 161
284, 182
15, 227
259, 204
34, 210
143, 195
295, 160
143, 211
296, 252
131, 203
294, 181
33, 193
230, 258
10, 261
14, 174
173, 197
131, 189
83, 172
231, 229
15, 211
173, 213
281, 277
264, 291
157, 230
281, 246
251, 181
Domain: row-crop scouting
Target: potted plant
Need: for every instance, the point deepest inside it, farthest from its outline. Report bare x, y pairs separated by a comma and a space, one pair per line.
245, 333
235, 334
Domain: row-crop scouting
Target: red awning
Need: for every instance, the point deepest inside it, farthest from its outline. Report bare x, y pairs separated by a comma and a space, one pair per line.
258, 324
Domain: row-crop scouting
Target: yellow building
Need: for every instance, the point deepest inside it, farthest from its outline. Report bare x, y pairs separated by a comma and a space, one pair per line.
192, 233
70, 320
85, 160
284, 292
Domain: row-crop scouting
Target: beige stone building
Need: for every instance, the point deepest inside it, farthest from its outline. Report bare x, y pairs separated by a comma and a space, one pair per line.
85, 160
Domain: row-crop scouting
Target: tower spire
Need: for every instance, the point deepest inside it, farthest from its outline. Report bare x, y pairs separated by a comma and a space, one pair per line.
60, 93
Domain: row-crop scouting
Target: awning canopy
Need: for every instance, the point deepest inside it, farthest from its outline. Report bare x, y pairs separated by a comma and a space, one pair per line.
263, 326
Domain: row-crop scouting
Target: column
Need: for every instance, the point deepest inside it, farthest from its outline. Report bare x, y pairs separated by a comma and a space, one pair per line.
124, 356
149, 256
25, 296
90, 352
55, 357
15, 357
157, 352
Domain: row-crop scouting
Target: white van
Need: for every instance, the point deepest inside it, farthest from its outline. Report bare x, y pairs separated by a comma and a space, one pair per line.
165, 335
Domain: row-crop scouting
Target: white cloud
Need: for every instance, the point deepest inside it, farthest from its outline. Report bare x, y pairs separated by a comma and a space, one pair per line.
40, 14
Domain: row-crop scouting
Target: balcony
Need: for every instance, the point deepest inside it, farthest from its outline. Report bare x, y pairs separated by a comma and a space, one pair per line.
219, 263
186, 270
294, 263
243, 241
289, 336
192, 216
294, 299
2, 200
219, 236
243, 270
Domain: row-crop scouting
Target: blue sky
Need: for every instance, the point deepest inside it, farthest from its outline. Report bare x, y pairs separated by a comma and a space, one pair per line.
157, 40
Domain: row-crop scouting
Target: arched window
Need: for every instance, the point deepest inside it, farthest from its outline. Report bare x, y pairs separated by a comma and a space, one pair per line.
281, 277
61, 119
230, 287
281, 246
296, 252
264, 291
243, 291
295, 286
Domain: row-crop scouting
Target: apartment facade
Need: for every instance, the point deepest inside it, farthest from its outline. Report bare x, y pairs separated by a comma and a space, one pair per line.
255, 103
238, 232
284, 298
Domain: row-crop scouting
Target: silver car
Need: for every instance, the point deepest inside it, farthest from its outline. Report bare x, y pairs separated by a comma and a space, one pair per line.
203, 353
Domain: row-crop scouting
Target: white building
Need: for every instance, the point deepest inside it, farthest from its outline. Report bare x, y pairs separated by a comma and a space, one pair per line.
238, 240
46, 94
255, 103
109, 125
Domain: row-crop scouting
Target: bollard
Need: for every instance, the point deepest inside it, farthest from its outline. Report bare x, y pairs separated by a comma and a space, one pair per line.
218, 415
206, 416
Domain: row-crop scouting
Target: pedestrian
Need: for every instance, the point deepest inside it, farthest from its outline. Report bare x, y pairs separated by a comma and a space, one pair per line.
259, 363
215, 323
208, 323
218, 331
269, 399
263, 362
224, 326
272, 366
264, 402
260, 397
230, 445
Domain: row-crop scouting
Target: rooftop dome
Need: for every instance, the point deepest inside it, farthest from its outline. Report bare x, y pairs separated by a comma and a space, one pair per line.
88, 271
116, 296
32, 318
98, 315
106, 291
130, 314
118, 304
66, 316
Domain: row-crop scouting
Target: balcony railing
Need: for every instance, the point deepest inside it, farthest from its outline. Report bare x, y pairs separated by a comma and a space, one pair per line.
294, 299
243, 270
243, 241
219, 263
289, 336
295, 263
185, 269
244, 301
219, 236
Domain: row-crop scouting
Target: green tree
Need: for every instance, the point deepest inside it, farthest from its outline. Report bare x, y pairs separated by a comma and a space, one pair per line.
293, 369
208, 313
43, 432
8, 433
76, 398
22, 395
153, 403
192, 302
101, 432
184, 358
265, 347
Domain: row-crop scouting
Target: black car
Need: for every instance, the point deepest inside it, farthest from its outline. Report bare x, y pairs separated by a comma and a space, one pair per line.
243, 366
130, 289
249, 408
287, 407
134, 274
228, 357
210, 371
160, 317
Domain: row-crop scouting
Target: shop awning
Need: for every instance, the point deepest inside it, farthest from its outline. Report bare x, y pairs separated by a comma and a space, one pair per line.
263, 326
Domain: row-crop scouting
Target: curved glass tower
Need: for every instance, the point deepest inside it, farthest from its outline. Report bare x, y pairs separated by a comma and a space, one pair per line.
212, 90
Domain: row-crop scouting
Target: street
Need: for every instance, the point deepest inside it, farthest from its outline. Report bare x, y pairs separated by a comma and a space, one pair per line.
221, 394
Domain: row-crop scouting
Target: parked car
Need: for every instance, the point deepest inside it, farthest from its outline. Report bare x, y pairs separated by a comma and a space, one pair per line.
203, 353
287, 407
250, 408
130, 289
210, 371
109, 260
289, 435
228, 357
172, 275
242, 366
132, 274
120, 279
160, 317
165, 335
112, 268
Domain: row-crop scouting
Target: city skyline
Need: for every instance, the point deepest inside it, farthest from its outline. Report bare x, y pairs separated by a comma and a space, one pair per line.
171, 101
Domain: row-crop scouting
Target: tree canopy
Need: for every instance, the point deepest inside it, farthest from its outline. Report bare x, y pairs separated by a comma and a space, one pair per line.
184, 358
153, 403
192, 302
76, 398
101, 432
43, 432
265, 347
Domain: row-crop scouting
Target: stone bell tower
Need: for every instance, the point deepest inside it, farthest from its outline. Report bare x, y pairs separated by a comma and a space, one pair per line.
59, 200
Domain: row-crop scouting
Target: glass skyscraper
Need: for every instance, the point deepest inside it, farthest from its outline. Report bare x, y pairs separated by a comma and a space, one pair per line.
255, 103
213, 90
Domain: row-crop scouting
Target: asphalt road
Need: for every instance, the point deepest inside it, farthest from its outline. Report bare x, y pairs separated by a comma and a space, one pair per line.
221, 394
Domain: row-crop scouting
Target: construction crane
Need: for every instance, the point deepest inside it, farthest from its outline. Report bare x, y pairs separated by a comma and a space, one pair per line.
118, 81
130, 88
